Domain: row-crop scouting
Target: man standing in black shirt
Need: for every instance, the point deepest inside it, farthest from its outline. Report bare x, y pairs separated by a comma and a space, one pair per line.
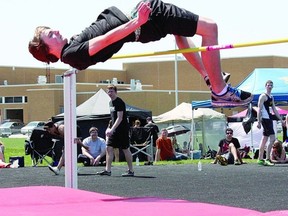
118, 134
154, 130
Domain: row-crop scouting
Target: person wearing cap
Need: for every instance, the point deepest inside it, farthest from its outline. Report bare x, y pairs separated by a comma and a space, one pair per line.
57, 132
97, 149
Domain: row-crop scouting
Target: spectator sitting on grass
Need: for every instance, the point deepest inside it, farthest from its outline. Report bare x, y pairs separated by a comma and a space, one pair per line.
278, 154
2, 159
228, 151
94, 155
2, 147
164, 148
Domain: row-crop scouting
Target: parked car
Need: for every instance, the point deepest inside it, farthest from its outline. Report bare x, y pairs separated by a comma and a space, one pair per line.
9, 128
11, 120
27, 129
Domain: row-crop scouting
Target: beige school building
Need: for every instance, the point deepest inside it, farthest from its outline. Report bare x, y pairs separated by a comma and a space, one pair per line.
37, 93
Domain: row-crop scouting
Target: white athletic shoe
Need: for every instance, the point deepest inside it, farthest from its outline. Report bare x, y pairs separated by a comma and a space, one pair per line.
55, 170
233, 97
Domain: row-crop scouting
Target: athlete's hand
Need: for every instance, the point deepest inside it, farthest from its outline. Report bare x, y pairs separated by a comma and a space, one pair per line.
144, 11
259, 125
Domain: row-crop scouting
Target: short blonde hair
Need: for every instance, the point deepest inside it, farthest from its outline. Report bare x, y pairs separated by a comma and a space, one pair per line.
111, 86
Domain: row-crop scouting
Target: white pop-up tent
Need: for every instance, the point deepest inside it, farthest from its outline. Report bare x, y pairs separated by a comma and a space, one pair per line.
252, 139
209, 125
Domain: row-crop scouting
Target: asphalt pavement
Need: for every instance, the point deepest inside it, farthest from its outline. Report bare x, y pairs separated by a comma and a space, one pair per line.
247, 186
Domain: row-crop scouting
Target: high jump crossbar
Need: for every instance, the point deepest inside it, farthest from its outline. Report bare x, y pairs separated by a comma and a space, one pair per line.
202, 49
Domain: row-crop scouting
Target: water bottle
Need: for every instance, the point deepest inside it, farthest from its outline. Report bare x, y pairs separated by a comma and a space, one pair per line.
199, 165
137, 161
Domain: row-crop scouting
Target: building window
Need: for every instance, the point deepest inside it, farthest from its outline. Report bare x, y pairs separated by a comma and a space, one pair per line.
8, 99
16, 99
58, 79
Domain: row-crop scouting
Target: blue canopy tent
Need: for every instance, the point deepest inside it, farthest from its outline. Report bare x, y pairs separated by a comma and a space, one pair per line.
255, 83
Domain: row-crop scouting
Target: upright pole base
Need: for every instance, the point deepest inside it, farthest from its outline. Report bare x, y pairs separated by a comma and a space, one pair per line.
70, 129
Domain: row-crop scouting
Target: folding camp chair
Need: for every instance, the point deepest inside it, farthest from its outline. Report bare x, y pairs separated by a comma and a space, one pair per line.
41, 145
141, 141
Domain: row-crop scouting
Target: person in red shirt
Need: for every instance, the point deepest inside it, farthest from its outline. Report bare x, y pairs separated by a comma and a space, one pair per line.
164, 147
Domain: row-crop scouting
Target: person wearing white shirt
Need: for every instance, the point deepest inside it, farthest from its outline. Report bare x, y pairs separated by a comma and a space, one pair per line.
96, 149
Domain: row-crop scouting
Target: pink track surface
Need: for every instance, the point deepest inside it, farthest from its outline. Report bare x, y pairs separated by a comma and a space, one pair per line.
51, 200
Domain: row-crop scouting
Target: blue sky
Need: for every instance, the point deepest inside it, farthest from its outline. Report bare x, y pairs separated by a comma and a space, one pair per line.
238, 21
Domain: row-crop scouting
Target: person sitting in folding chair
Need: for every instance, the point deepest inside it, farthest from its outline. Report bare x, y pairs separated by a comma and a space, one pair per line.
140, 143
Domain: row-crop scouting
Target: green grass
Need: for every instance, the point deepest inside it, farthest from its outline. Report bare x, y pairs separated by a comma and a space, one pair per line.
15, 147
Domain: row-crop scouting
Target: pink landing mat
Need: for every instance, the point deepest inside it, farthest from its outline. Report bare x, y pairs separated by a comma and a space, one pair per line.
50, 200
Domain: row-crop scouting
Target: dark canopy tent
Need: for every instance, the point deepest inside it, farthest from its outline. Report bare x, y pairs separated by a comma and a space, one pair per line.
255, 83
137, 113
96, 112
